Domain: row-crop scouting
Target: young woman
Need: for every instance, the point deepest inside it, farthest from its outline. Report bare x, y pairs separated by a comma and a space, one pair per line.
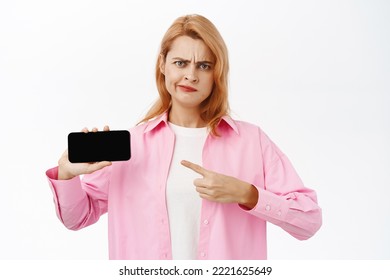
199, 185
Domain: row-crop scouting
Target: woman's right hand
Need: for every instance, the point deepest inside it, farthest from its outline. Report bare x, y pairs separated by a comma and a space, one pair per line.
68, 170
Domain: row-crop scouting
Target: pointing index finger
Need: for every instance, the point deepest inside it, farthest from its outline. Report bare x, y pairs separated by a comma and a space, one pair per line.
195, 167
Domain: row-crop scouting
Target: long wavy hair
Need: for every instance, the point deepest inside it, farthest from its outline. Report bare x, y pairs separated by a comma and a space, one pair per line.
216, 105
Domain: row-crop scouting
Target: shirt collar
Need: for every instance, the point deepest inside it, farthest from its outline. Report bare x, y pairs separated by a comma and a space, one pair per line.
230, 122
154, 123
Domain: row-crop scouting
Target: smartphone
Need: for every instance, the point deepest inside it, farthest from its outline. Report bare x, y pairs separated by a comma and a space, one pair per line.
99, 146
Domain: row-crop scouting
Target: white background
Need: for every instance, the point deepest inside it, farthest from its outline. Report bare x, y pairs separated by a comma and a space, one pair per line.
314, 75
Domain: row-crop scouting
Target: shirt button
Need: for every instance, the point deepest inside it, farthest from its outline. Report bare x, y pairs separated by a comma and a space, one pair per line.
203, 254
267, 207
279, 213
206, 222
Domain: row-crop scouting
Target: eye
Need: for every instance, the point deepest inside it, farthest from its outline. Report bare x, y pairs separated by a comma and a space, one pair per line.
179, 63
204, 66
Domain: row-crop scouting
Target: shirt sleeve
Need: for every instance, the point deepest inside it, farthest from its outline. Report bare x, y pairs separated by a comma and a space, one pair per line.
284, 200
79, 203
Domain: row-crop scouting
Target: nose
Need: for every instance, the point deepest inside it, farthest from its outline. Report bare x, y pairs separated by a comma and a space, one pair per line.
191, 75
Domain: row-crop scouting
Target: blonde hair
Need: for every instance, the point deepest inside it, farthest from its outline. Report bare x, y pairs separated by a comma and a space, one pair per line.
216, 105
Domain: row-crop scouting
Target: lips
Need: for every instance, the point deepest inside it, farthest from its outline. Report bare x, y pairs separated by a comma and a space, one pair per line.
187, 88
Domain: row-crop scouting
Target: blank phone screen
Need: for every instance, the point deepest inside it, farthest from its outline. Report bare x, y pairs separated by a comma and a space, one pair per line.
99, 146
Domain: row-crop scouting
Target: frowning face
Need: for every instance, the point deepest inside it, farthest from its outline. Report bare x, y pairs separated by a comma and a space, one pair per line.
188, 70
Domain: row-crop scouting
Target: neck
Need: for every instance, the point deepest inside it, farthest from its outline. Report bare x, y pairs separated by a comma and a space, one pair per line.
186, 118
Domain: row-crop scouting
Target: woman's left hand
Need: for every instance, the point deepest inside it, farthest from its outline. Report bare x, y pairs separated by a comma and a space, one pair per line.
222, 188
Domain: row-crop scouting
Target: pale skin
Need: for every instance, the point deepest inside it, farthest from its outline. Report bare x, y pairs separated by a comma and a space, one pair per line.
189, 63
218, 187
188, 71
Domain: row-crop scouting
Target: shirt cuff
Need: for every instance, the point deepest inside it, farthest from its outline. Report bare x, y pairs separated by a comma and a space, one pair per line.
65, 192
270, 206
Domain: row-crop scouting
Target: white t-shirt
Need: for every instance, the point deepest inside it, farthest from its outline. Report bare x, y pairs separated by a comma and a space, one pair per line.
183, 201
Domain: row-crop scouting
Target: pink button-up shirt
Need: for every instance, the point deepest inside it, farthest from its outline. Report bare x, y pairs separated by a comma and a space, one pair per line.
133, 194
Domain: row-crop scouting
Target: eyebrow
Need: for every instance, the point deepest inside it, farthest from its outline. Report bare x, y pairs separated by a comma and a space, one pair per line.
187, 61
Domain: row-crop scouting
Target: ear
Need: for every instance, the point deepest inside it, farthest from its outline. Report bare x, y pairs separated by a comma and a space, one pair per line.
162, 64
